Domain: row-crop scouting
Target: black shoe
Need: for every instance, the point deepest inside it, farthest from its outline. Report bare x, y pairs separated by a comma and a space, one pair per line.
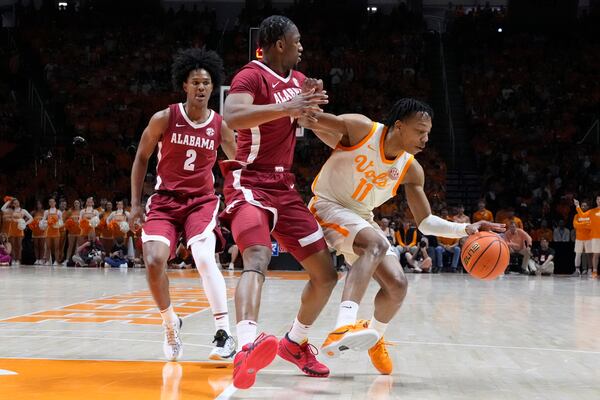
224, 348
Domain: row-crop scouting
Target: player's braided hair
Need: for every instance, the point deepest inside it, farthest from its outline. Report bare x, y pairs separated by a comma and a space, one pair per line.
272, 29
406, 107
188, 60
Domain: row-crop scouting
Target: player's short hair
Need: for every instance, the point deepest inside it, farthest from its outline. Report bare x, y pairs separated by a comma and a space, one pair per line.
272, 29
188, 60
406, 107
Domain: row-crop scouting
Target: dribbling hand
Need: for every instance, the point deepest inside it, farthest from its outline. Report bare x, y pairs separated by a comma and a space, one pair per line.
485, 226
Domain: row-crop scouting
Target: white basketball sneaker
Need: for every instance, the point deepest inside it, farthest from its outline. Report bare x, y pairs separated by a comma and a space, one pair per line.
172, 346
225, 347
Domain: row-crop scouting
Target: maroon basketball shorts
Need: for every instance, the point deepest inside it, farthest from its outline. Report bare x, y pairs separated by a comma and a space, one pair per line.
261, 204
168, 216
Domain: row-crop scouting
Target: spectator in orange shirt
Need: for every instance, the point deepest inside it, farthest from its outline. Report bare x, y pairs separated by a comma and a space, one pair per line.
583, 238
482, 214
543, 232
519, 242
510, 216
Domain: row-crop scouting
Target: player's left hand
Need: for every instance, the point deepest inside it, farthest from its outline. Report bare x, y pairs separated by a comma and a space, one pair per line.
485, 226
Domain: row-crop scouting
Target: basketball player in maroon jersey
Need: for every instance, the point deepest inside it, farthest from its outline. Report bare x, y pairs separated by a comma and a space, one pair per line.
187, 135
263, 103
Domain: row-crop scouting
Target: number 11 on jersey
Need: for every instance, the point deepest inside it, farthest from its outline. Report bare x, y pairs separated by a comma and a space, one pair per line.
362, 190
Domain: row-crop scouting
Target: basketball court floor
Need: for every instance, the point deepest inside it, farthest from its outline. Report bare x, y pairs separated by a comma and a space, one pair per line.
70, 333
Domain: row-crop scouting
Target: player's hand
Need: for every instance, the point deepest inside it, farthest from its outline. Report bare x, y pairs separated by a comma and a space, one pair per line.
576, 202
485, 226
136, 215
312, 83
303, 104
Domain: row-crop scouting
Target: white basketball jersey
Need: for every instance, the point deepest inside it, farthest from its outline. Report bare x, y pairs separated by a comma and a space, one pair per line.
360, 177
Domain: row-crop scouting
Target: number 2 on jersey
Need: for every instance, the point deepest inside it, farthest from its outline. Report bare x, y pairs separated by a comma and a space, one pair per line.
362, 190
188, 165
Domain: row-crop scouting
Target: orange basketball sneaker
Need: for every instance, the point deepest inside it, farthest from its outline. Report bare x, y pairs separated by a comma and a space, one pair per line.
380, 358
356, 337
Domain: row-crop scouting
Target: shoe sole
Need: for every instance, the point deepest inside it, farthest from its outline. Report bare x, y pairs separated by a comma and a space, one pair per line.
281, 353
260, 357
357, 341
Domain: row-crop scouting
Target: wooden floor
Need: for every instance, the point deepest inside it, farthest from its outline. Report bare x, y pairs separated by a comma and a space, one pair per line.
69, 333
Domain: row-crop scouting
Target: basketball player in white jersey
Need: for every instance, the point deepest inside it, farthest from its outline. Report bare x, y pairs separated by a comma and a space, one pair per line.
370, 161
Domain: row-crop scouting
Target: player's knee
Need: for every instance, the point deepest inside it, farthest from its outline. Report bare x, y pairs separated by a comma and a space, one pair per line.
154, 263
376, 248
257, 258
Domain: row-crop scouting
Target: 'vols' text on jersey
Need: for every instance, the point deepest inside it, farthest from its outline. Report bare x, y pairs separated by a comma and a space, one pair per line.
360, 177
187, 152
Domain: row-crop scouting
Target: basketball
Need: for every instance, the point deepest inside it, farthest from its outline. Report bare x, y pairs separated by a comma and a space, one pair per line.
485, 255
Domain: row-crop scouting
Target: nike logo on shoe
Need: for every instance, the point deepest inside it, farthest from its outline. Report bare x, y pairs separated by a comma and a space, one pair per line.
297, 356
339, 333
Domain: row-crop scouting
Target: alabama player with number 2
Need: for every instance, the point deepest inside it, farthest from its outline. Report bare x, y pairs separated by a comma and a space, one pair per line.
187, 136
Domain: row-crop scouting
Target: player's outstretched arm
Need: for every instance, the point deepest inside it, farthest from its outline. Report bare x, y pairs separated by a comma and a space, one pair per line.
152, 134
228, 140
428, 223
331, 129
240, 113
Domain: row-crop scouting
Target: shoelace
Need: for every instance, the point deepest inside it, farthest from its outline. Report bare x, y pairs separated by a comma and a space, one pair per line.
171, 336
312, 351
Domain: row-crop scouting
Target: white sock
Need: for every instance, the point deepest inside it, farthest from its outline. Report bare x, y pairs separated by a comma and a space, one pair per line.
212, 280
380, 327
169, 315
347, 313
299, 332
246, 333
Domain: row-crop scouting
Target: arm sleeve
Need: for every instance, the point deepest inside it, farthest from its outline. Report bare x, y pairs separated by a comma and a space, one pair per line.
433, 225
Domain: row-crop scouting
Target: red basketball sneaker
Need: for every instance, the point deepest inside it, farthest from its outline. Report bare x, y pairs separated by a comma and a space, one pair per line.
252, 358
303, 355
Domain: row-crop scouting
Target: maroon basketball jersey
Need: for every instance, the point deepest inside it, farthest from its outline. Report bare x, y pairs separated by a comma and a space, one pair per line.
187, 152
272, 143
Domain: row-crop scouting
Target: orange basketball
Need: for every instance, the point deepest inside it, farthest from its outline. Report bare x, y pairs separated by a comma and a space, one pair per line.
485, 255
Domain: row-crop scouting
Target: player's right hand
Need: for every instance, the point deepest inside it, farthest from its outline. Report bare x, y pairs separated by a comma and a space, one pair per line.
576, 202
136, 215
305, 103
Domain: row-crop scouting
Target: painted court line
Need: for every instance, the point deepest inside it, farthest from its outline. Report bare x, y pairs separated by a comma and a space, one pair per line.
489, 346
95, 338
227, 393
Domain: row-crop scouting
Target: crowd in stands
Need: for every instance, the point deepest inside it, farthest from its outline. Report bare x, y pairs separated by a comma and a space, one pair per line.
530, 99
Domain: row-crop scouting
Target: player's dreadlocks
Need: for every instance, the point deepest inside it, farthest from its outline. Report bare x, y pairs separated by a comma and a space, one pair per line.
188, 60
272, 29
406, 107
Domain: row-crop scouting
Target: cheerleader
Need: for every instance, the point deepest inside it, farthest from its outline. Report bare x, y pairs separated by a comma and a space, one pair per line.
74, 238
6, 215
5, 250
117, 221
88, 219
63, 234
52, 222
106, 232
38, 234
19, 220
